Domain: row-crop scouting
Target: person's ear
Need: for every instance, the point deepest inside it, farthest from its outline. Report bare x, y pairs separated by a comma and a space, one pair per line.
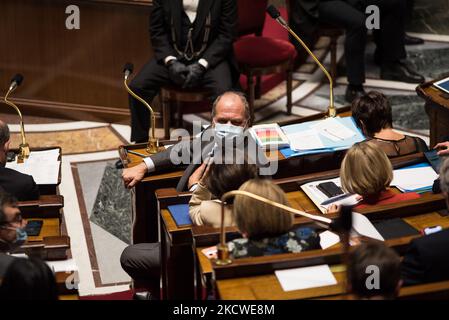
6, 146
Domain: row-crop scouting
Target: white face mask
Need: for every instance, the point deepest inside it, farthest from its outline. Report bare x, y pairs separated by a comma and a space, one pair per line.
226, 131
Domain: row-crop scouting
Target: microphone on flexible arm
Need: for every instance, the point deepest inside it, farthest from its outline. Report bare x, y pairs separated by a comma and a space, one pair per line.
276, 15
24, 148
153, 143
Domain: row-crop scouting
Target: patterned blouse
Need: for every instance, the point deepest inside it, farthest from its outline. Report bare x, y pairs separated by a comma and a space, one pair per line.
298, 240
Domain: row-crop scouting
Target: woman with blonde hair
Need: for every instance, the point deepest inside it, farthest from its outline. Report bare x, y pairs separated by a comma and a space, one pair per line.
267, 229
367, 171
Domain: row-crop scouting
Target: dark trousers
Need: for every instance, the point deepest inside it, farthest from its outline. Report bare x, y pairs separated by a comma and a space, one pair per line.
142, 262
389, 38
154, 75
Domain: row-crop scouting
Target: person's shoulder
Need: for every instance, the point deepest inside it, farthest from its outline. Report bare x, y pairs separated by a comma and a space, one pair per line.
5, 261
15, 174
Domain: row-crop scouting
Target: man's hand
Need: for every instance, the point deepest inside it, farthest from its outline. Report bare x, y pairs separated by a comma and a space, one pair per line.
198, 175
196, 72
444, 146
132, 176
177, 72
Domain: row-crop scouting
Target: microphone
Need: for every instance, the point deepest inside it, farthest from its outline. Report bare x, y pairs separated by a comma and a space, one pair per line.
153, 143
24, 148
128, 69
276, 15
16, 81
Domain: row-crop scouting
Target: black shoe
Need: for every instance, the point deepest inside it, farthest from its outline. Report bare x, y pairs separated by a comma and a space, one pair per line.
145, 295
354, 92
400, 72
119, 164
410, 41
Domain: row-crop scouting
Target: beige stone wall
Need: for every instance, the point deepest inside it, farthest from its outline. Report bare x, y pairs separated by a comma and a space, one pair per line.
278, 2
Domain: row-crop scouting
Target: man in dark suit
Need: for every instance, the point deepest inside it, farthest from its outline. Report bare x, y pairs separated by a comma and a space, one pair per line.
193, 47
427, 259
350, 15
230, 112
12, 229
20, 185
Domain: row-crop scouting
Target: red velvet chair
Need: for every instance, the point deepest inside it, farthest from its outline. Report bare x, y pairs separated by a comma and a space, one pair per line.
257, 55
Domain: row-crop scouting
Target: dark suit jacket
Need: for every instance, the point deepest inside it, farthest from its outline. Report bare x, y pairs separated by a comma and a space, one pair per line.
20, 185
5, 261
187, 149
222, 32
427, 259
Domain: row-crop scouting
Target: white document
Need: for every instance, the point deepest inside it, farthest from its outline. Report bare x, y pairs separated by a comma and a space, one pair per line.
305, 278
333, 129
68, 265
362, 226
305, 140
43, 166
328, 239
415, 178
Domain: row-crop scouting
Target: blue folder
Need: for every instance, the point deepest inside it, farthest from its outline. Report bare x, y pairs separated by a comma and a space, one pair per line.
180, 213
330, 146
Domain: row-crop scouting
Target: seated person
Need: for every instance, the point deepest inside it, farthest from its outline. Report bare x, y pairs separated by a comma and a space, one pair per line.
230, 115
216, 181
28, 279
20, 185
12, 230
361, 281
427, 259
266, 229
372, 114
367, 171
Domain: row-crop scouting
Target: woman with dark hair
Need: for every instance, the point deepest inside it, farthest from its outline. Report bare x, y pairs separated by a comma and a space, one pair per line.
372, 114
28, 279
216, 181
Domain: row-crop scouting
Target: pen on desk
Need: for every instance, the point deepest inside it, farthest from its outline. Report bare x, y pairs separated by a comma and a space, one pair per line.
137, 153
336, 198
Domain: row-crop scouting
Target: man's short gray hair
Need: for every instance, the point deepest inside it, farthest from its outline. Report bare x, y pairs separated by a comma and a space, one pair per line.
4, 133
242, 97
444, 175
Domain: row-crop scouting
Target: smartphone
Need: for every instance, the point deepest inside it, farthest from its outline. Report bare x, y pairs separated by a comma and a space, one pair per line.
330, 189
434, 160
34, 227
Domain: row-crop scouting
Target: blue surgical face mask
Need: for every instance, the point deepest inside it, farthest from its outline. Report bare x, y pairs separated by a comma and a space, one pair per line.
21, 238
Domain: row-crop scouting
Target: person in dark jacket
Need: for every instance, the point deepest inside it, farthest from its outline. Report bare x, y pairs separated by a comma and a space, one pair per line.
20, 185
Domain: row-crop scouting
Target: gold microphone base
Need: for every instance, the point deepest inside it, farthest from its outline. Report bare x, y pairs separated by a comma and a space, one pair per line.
24, 152
153, 146
222, 256
332, 112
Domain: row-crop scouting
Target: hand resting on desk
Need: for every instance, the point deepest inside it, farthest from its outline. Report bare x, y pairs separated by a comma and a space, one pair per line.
132, 176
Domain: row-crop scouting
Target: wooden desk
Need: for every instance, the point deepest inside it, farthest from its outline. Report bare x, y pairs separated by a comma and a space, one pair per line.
267, 287
437, 108
145, 210
178, 243
47, 206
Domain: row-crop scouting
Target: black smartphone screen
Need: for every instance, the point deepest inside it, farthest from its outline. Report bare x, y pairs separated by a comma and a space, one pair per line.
330, 189
34, 227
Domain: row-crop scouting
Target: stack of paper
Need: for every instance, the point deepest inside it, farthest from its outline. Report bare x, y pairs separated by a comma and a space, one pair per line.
43, 166
318, 197
414, 179
305, 278
68, 265
328, 135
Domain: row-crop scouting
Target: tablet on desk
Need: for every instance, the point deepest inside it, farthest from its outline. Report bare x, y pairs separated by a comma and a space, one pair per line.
443, 85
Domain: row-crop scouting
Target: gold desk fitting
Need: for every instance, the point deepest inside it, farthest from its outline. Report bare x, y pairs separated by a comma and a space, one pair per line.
24, 148
275, 14
153, 142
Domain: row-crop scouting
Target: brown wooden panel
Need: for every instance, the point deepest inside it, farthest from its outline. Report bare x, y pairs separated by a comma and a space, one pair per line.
81, 67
